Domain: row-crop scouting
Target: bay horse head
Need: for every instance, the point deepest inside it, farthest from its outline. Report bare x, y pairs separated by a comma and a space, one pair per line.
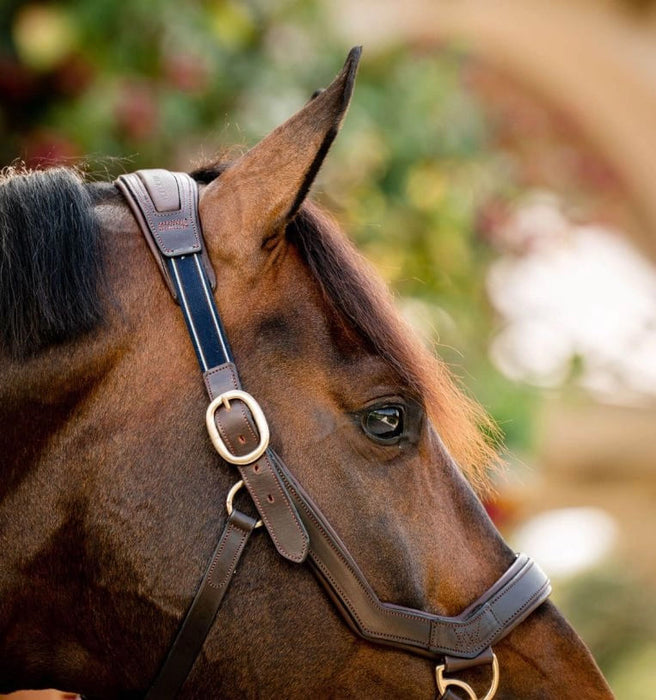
112, 495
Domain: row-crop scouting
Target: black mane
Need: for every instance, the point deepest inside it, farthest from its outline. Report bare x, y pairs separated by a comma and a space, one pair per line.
50, 260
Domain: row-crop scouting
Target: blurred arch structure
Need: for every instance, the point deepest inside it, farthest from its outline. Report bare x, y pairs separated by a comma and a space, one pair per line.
589, 60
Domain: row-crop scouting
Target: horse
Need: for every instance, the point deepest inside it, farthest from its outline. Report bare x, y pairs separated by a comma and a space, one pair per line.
111, 497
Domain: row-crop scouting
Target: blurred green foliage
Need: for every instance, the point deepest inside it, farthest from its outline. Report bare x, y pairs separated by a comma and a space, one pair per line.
145, 84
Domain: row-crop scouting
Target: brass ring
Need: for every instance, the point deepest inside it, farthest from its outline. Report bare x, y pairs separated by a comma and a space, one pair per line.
230, 497
443, 683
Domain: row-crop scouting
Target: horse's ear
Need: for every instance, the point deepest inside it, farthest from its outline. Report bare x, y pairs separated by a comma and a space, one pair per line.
248, 206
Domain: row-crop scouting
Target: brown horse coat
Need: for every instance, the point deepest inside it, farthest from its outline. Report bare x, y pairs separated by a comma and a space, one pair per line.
112, 496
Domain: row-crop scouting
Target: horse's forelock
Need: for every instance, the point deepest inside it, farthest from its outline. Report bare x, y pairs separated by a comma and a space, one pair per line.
50, 260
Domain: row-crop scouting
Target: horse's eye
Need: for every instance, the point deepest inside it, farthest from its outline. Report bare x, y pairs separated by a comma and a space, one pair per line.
384, 423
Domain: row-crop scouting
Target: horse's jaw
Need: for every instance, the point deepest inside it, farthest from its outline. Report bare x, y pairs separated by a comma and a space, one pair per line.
545, 658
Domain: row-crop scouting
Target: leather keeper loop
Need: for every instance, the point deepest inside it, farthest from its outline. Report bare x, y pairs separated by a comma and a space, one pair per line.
453, 664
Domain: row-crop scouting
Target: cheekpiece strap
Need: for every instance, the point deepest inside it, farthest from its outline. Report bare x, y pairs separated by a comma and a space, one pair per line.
166, 207
203, 610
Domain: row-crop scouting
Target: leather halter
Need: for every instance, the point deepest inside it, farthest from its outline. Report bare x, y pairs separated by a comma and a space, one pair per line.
165, 205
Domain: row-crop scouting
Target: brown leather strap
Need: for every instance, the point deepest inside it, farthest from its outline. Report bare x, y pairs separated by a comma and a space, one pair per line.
453, 664
165, 205
202, 612
272, 501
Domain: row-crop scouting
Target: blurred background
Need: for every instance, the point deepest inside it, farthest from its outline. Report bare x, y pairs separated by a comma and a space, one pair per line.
498, 165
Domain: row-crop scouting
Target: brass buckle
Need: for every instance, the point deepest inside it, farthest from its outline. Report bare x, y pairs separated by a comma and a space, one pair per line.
260, 423
230, 497
443, 683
